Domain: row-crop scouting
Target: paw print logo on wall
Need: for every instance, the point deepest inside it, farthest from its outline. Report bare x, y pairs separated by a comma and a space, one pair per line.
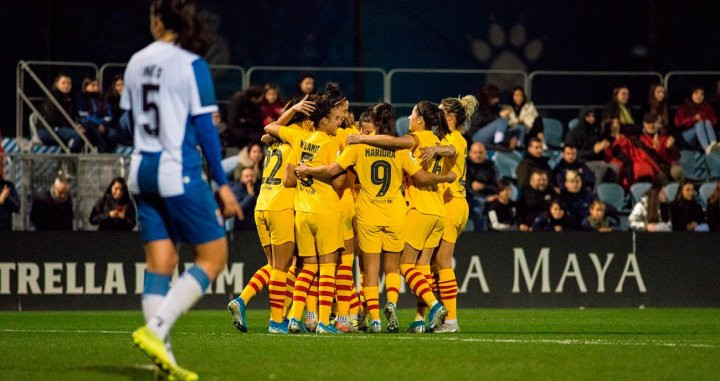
506, 51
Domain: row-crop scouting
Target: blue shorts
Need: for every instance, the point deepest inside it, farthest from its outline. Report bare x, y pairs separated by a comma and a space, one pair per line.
193, 217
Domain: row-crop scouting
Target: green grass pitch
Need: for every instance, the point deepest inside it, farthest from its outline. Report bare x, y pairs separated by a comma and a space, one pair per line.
494, 344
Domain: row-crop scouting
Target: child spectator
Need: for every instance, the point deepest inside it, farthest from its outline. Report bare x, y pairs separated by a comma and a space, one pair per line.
533, 161
570, 162
480, 184
598, 221
524, 117
502, 211
575, 197
114, 211
657, 104
591, 144
661, 148
554, 219
534, 200
619, 108
695, 120
9, 202
246, 194
57, 121
712, 213
651, 213
96, 116
53, 210
686, 213
272, 105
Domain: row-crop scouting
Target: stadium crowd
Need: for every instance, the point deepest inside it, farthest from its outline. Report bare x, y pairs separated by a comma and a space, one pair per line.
613, 170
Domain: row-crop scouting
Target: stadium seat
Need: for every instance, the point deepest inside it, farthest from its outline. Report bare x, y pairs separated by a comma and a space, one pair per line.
694, 165
402, 125
553, 156
638, 190
506, 164
612, 194
553, 133
705, 191
671, 191
573, 123
514, 193
713, 163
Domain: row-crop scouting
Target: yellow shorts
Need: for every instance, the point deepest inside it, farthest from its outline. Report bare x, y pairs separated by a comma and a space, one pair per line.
321, 231
456, 219
376, 239
423, 230
275, 228
348, 211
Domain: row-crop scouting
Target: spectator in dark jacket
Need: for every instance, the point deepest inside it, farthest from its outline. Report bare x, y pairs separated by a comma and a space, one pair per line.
533, 161
534, 199
712, 213
502, 211
597, 221
554, 219
570, 162
120, 124
686, 214
489, 123
60, 125
244, 118
661, 147
591, 144
657, 104
96, 116
619, 108
576, 197
53, 210
306, 85
481, 184
246, 194
695, 121
115, 210
9, 203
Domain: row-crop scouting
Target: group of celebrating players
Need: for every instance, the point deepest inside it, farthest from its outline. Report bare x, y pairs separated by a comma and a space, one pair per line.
328, 184
334, 188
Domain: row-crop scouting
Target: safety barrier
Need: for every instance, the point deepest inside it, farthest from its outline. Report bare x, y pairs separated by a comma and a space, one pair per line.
679, 84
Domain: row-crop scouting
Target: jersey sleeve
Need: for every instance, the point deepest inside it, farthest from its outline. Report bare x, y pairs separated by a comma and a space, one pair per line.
202, 91
348, 157
289, 136
409, 163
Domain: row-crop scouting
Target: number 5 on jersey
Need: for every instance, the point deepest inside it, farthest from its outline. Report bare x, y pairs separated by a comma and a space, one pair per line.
149, 91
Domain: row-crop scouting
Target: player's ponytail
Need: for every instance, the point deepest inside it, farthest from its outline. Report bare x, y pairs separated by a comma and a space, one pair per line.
384, 118
434, 118
181, 17
334, 93
462, 108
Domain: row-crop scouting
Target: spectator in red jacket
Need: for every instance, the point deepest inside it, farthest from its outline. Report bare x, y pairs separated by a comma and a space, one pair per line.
272, 105
696, 121
661, 148
635, 164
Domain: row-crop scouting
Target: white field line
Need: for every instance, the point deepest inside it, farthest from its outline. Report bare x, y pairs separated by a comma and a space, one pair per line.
643, 343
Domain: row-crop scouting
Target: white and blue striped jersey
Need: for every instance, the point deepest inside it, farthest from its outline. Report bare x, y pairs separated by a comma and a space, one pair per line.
165, 87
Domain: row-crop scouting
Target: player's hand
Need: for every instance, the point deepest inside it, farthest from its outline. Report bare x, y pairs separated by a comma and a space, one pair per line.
229, 204
113, 213
302, 170
355, 139
267, 139
304, 106
427, 153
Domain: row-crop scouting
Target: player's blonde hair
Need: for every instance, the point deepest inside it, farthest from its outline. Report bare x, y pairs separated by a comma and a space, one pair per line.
462, 108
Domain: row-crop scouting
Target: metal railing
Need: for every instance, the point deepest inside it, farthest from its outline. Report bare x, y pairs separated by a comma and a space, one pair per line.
454, 72
691, 81
23, 68
315, 69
